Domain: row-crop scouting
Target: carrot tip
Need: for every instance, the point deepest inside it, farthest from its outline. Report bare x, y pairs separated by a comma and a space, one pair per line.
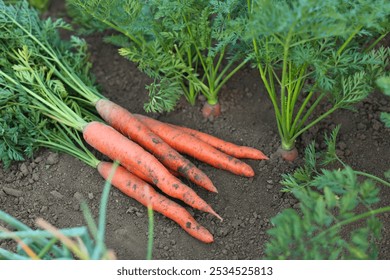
216, 215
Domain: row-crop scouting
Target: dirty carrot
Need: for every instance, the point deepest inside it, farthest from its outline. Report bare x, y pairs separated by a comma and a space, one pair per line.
113, 144
190, 145
224, 146
123, 121
134, 187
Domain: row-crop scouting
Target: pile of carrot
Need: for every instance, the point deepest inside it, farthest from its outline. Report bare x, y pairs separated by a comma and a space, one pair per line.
149, 152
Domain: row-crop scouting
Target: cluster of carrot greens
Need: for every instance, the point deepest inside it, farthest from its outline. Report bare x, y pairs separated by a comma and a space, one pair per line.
47, 80
310, 53
182, 45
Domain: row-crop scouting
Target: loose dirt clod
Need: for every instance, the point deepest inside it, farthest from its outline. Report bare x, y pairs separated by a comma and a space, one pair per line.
52, 159
12, 192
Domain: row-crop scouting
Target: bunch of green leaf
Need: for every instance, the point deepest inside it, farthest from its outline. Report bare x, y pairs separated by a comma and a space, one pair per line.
41, 5
330, 201
140, 41
17, 127
66, 68
179, 44
384, 84
85, 243
310, 52
204, 33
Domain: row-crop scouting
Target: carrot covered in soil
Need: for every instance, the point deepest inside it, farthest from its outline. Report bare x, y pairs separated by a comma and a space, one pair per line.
224, 146
190, 145
123, 121
113, 144
134, 187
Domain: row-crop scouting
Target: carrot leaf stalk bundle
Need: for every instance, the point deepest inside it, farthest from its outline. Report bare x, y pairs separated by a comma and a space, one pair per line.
310, 53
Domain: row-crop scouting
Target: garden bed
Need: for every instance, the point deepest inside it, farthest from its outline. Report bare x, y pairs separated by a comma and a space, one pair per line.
50, 185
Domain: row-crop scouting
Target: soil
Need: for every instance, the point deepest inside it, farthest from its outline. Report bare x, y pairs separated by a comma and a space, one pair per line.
50, 185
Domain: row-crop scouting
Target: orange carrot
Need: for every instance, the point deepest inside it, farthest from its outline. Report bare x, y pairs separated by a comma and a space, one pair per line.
135, 188
224, 146
211, 111
111, 143
123, 121
188, 144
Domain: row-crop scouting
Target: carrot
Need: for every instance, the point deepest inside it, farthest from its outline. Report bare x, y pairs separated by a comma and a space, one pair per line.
123, 121
211, 111
288, 155
188, 144
135, 188
111, 143
224, 146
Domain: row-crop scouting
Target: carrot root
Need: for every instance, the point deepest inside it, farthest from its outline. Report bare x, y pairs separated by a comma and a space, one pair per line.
111, 143
288, 155
192, 146
209, 111
137, 189
224, 146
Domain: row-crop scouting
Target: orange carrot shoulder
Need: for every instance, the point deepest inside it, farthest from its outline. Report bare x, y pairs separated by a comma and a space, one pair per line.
123, 121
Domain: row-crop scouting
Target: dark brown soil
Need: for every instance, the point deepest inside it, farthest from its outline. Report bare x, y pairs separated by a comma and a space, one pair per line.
51, 184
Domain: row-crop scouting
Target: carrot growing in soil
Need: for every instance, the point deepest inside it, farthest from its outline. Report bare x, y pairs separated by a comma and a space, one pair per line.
188, 144
224, 146
123, 121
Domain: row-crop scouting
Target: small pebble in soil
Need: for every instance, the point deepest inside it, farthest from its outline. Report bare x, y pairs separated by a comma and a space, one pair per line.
56, 194
132, 209
35, 176
90, 195
78, 196
43, 209
21, 201
23, 169
38, 159
52, 159
76, 207
139, 214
